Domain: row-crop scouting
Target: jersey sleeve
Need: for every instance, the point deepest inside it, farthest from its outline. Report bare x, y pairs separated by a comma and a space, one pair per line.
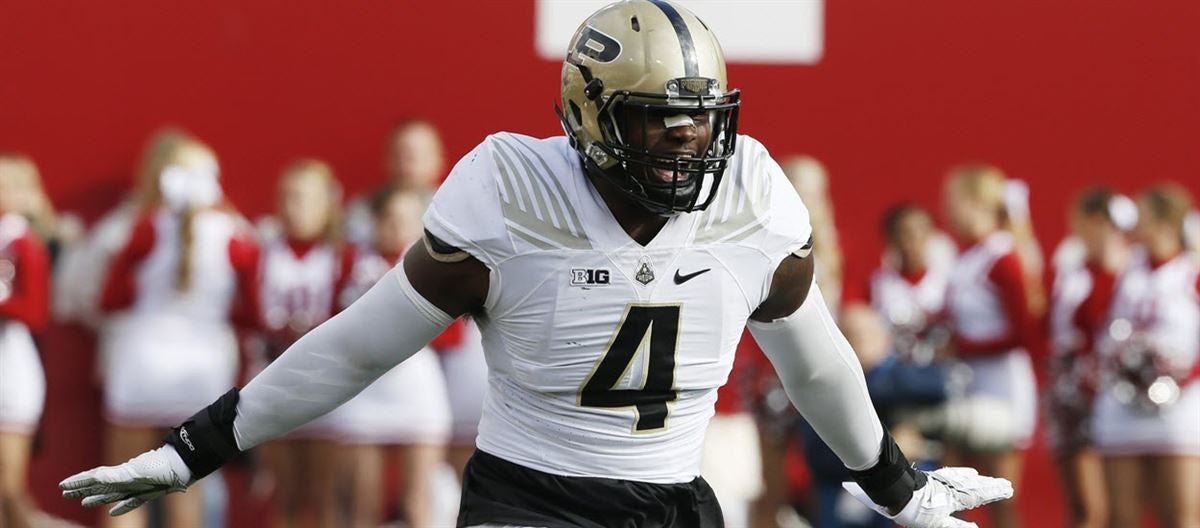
465, 212
245, 255
28, 299
786, 229
120, 283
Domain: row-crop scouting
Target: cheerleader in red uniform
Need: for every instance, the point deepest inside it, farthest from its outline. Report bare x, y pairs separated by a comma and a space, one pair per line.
1081, 296
186, 269
303, 265
408, 408
988, 308
1147, 413
909, 288
24, 308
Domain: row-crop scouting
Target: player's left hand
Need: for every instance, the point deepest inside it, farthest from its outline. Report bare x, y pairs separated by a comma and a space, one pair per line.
143, 478
946, 491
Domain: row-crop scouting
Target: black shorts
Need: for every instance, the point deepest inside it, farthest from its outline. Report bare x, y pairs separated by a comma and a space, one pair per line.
499, 491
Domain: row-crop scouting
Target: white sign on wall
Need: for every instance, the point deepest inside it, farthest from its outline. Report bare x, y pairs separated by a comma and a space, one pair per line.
754, 31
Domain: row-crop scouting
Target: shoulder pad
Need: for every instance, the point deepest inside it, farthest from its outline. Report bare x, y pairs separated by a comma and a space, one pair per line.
758, 206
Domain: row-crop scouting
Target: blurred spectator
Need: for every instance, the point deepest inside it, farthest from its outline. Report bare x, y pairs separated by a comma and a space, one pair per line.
414, 161
79, 283
32, 202
990, 315
1147, 410
909, 288
303, 266
186, 267
1019, 222
1081, 296
24, 309
811, 181
406, 409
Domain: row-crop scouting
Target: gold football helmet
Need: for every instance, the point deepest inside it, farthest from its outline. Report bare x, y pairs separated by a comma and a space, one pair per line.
654, 60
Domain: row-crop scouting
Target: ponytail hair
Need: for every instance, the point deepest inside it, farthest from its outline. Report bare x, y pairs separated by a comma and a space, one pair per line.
1008, 200
165, 148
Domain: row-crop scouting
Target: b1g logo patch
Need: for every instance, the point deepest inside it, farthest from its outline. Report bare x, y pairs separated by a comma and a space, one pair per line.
590, 277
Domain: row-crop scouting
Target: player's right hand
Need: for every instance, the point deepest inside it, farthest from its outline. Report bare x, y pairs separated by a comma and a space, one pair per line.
143, 478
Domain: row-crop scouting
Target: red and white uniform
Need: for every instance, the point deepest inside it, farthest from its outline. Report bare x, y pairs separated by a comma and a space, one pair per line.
988, 310
297, 289
24, 307
910, 301
1081, 296
408, 404
169, 352
298, 283
1160, 302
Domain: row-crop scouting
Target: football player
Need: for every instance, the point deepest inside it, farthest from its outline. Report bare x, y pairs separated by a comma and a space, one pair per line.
611, 272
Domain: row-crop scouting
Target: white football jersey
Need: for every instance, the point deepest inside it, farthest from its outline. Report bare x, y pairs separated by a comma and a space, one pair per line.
604, 355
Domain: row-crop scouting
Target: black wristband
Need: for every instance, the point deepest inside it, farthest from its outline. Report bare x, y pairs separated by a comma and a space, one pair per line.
205, 441
892, 481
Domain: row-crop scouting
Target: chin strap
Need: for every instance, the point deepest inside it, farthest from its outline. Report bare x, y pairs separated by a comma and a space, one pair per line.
891, 481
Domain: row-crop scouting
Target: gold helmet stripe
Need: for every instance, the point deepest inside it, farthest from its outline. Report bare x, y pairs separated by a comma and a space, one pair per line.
691, 66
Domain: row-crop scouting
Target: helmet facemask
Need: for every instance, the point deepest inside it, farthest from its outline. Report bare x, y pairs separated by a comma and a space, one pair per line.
649, 66
663, 183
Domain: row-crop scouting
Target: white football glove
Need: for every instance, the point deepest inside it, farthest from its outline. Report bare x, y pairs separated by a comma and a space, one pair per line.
946, 491
142, 479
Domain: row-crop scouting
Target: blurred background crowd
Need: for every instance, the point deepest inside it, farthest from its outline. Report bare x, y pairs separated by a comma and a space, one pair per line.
1003, 206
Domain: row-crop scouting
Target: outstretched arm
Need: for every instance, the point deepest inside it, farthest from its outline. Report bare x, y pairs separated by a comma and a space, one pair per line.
325, 368
823, 378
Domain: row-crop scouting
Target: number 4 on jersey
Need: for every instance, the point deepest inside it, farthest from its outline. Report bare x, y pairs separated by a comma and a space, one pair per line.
660, 325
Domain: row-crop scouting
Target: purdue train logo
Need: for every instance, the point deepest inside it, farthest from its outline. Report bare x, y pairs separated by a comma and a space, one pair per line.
645, 274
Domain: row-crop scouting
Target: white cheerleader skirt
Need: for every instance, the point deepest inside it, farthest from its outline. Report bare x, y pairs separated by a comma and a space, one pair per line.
1008, 378
22, 381
466, 382
161, 369
1120, 430
407, 405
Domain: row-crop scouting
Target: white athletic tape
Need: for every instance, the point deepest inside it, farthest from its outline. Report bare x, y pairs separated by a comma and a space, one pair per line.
678, 120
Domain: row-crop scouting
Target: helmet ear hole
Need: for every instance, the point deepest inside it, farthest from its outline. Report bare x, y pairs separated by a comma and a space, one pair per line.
576, 112
633, 23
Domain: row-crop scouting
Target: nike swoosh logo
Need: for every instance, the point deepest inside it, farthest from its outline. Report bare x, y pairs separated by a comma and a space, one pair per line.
680, 279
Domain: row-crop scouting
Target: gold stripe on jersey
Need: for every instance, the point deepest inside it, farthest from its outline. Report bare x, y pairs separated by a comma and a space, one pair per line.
739, 210
534, 204
559, 193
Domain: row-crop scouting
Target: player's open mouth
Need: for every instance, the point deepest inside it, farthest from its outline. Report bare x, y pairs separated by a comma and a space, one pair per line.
665, 175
